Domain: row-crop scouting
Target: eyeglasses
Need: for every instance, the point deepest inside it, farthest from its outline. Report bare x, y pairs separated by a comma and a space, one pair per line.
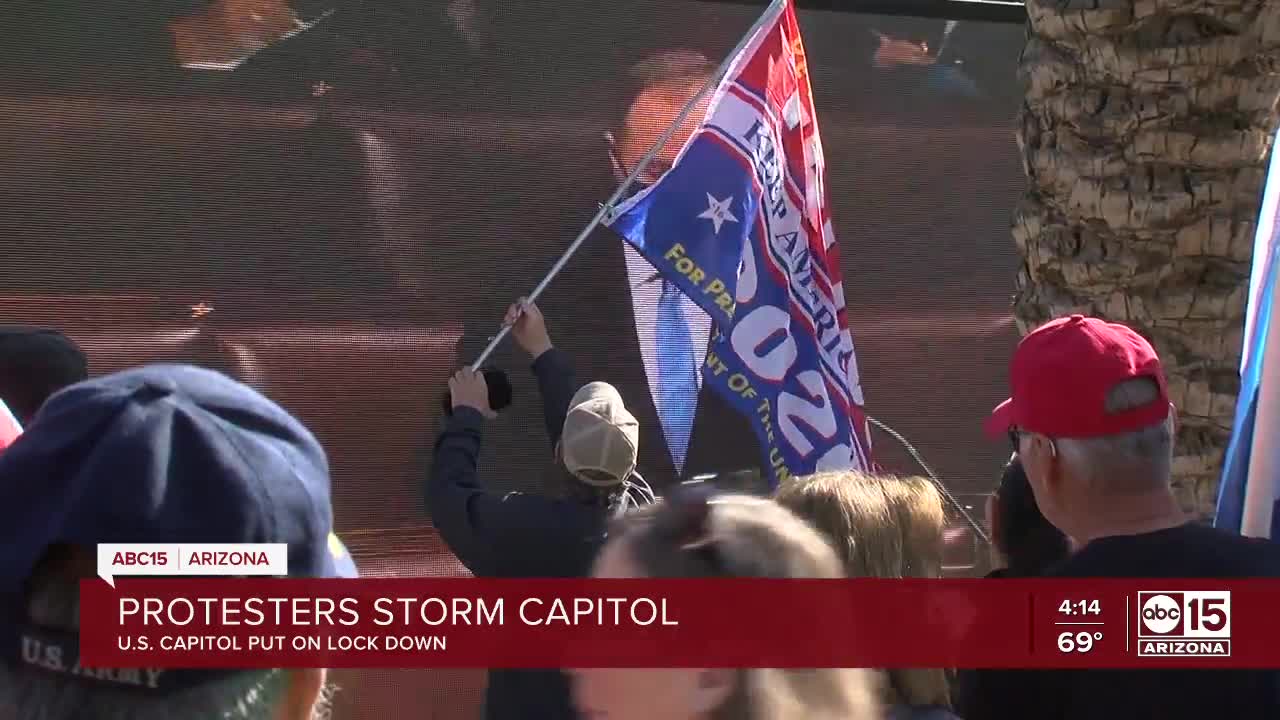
1015, 438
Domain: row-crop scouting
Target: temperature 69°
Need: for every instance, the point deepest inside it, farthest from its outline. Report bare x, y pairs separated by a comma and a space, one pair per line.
1078, 642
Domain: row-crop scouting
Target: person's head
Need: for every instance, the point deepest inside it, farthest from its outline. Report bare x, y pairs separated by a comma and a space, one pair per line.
855, 514
1091, 421
34, 364
922, 518
883, 527
599, 445
1028, 542
693, 534
161, 454
663, 83
223, 33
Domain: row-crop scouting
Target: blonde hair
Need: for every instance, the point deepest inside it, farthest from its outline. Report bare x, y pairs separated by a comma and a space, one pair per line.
922, 517
884, 527
742, 536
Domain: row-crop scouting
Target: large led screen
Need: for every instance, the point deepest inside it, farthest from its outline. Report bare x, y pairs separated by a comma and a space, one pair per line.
341, 217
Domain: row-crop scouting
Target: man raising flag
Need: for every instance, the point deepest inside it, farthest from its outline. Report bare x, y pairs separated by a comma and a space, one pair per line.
740, 224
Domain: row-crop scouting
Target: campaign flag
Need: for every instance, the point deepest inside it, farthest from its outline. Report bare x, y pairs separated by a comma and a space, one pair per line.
740, 224
10, 428
1250, 487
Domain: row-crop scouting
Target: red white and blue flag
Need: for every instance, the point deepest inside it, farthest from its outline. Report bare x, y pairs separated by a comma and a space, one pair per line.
741, 224
1249, 494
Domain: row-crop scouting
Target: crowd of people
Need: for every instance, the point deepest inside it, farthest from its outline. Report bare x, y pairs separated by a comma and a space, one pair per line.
174, 453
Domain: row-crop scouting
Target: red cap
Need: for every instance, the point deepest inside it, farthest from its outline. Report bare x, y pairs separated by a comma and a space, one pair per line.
1062, 373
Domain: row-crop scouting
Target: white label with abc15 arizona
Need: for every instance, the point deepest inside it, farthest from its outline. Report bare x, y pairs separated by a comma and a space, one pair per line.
1184, 623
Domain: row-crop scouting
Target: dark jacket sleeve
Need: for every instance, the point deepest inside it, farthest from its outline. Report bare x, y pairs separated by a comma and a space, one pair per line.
462, 512
481, 528
557, 384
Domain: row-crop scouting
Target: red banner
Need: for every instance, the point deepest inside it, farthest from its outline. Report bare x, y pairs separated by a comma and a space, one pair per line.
242, 623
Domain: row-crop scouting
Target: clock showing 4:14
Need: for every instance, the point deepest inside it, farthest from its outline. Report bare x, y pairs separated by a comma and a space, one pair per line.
1080, 607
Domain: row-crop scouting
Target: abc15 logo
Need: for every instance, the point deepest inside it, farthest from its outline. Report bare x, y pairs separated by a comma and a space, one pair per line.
1200, 614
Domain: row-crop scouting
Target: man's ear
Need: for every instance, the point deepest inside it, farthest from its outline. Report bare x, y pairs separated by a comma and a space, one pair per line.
1052, 459
1040, 462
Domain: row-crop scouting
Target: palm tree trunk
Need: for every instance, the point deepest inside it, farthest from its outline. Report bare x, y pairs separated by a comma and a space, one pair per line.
1144, 135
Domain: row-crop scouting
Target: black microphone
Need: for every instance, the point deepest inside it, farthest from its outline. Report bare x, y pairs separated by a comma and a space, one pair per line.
499, 391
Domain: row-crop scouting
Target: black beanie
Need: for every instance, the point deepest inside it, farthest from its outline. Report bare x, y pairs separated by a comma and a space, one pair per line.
34, 364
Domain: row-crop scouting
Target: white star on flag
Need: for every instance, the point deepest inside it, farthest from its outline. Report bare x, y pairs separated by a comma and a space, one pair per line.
718, 212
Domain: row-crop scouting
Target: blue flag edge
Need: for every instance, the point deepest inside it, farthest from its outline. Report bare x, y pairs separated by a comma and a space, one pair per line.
1229, 513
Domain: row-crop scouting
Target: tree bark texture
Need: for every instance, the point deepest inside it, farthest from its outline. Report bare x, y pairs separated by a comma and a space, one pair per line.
1144, 137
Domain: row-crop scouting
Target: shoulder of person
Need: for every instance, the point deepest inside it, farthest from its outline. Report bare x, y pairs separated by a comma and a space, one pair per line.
1258, 557
547, 537
541, 518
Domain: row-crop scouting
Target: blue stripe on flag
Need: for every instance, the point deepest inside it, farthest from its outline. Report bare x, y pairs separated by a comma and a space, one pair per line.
1235, 470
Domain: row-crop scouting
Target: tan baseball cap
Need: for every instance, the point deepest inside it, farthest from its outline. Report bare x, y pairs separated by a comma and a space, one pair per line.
601, 439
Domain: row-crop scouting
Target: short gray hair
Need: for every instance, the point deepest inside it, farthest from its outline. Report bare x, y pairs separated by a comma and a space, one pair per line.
33, 694
1151, 447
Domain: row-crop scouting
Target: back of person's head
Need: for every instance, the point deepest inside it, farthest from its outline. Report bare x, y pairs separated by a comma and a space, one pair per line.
1145, 453
678, 68
884, 527
856, 516
922, 518
694, 533
161, 454
1090, 419
34, 364
1029, 543
599, 445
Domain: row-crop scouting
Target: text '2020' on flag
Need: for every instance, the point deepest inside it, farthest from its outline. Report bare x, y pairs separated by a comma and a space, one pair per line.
1250, 489
740, 224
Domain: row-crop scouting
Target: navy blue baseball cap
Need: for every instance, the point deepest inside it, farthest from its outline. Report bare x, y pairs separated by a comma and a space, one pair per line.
166, 454
161, 454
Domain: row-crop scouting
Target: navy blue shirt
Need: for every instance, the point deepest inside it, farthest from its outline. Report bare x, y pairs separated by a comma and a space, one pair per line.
1187, 551
514, 534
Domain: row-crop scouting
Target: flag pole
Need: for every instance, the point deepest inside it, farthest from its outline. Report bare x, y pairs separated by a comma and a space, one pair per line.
607, 207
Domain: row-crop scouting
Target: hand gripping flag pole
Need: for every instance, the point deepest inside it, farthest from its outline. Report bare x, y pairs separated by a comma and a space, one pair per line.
607, 207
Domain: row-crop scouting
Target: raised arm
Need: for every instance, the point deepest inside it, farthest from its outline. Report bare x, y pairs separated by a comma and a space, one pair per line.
461, 510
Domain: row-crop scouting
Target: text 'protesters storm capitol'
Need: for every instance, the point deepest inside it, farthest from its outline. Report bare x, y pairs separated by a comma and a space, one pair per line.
399, 611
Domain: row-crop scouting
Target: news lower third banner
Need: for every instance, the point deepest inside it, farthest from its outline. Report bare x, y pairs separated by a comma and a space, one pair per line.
149, 622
